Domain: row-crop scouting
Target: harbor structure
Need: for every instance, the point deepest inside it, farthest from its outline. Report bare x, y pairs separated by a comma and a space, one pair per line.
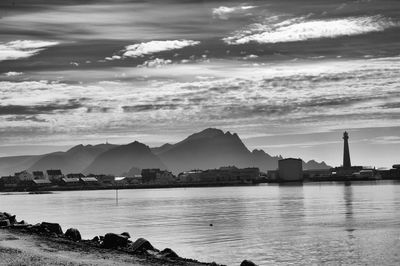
290, 169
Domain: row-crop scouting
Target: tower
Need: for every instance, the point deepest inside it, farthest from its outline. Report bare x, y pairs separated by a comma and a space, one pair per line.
346, 152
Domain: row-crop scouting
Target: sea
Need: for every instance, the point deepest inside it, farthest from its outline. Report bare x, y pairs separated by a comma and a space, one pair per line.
300, 224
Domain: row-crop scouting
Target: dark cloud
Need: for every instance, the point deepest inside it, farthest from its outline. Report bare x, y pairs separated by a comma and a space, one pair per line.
40, 109
32, 118
149, 107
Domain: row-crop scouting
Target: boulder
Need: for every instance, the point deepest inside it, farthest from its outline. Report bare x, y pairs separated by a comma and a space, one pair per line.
5, 223
73, 234
247, 263
112, 240
3, 216
126, 234
51, 228
96, 239
169, 253
141, 245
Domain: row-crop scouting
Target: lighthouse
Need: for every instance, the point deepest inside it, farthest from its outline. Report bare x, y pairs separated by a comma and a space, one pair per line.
346, 152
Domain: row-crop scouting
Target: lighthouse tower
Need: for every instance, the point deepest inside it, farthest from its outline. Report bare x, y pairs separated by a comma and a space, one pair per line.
346, 152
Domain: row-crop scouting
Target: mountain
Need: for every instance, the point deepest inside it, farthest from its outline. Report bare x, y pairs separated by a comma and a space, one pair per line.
161, 149
75, 160
312, 165
123, 158
10, 165
210, 148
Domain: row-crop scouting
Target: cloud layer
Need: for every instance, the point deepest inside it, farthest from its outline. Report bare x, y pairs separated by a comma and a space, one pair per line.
22, 48
302, 29
146, 48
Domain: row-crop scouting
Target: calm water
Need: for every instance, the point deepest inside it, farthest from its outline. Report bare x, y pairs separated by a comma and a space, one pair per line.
272, 225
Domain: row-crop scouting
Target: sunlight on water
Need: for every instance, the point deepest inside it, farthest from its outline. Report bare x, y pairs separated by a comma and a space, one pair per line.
271, 225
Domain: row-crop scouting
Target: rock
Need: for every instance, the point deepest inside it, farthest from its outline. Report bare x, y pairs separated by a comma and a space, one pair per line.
247, 263
5, 223
112, 240
21, 226
73, 234
12, 219
51, 228
96, 239
141, 245
7, 214
126, 234
169, 253
3, 216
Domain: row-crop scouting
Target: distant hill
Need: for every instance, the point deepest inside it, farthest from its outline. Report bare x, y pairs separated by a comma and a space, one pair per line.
123, 158
10, 165
75, 160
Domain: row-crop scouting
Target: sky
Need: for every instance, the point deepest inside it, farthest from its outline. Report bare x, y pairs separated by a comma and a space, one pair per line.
288, 76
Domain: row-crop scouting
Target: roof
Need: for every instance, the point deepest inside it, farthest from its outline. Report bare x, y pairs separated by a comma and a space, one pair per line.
41, 181
291, 159
70, 180
89, 179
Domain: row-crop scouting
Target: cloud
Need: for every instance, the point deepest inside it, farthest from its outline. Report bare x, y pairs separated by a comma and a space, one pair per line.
149, 107
223, 12
22, 49
146, 48
158, 62
302, 29
13, 74
39, 109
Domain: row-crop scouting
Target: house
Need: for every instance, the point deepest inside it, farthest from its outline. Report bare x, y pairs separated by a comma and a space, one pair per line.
24, 176
38, 175
104, 179
40, 183
72, 181
54, 175
9, 181
89, 181
75, 175
157, 176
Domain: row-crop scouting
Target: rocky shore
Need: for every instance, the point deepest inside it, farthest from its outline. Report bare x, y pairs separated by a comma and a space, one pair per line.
45, 243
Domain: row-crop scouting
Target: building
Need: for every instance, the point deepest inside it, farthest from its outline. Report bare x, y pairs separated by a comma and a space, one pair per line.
24, 176
70, 181
89, 181
9, 181
39, 183
38, 175
78, 175
157, 176
192, 176
54, 175
290, 169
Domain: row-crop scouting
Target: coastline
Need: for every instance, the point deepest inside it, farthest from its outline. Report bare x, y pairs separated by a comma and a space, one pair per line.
46, 244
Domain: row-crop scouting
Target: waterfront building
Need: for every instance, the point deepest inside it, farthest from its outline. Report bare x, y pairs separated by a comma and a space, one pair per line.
38, 175
78, 175
192, 176
290, 169
70, 181
89, 181
54, 175
157, 176
39, 183
9, 181
24, 176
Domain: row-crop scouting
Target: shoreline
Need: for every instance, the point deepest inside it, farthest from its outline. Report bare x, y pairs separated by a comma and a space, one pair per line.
44, 190
46, 244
